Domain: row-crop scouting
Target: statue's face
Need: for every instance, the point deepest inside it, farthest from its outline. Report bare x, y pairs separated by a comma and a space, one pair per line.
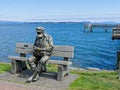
40, 33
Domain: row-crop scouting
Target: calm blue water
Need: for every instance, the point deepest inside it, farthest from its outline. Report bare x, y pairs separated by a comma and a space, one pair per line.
94, 49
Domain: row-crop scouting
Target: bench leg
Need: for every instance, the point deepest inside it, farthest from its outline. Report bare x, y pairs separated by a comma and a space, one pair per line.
18, 66
63, 70
66, 70
60, 73
14, 67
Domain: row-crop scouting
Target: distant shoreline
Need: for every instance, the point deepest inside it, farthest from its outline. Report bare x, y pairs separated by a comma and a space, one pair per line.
36, 22
115, 19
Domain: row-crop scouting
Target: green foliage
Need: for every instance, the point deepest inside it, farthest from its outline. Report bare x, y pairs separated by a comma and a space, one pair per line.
4, 67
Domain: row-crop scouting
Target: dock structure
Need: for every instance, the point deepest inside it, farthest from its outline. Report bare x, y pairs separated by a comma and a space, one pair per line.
91, 26
116, 33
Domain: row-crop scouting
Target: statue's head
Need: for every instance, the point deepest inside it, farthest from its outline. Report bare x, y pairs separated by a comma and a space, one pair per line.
40, 31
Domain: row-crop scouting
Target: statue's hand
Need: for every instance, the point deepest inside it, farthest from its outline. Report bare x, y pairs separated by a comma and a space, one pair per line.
42, 49
39, 49
35, 48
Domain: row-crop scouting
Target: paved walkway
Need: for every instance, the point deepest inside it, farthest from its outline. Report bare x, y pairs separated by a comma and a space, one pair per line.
6, 85
47, 81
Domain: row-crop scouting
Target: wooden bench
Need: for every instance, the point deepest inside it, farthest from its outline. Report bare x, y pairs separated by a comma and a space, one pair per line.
24, 49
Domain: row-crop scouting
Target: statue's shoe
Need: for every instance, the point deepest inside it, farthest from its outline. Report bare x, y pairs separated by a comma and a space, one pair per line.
29, 79
35, 78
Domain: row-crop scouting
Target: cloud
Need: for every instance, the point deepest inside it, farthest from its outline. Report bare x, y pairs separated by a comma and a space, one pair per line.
64, 19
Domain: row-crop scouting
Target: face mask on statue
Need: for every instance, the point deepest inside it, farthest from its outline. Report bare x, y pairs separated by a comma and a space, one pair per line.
40, 34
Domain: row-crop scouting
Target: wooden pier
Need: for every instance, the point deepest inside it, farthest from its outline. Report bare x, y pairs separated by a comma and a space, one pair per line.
91, 26
116, 33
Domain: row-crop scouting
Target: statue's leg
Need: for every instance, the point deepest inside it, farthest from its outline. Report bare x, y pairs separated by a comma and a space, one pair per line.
43, 60
38, 69
44, 69
31, 62
36, 72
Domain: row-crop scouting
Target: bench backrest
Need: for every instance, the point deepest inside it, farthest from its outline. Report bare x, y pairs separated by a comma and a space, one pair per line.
61, 51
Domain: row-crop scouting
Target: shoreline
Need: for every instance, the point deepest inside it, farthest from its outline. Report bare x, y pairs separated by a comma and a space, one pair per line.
79, 69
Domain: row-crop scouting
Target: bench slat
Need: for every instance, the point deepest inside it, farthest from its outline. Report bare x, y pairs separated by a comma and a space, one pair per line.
56, 47
50, 61
17, 58
26, 51
61, 51
54, 53
63, 48
59, 62
63, 54
25, 45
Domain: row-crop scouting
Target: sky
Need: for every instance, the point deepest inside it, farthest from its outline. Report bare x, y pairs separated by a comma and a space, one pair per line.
60, 10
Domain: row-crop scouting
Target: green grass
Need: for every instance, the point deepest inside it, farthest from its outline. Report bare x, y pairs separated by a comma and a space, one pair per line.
87, 80
4, 67
52, 67
95, 80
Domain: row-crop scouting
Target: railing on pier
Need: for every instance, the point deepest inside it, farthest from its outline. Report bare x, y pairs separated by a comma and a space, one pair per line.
90, 26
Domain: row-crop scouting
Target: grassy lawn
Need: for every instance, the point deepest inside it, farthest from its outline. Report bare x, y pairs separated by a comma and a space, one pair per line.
96, 80
87, 80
